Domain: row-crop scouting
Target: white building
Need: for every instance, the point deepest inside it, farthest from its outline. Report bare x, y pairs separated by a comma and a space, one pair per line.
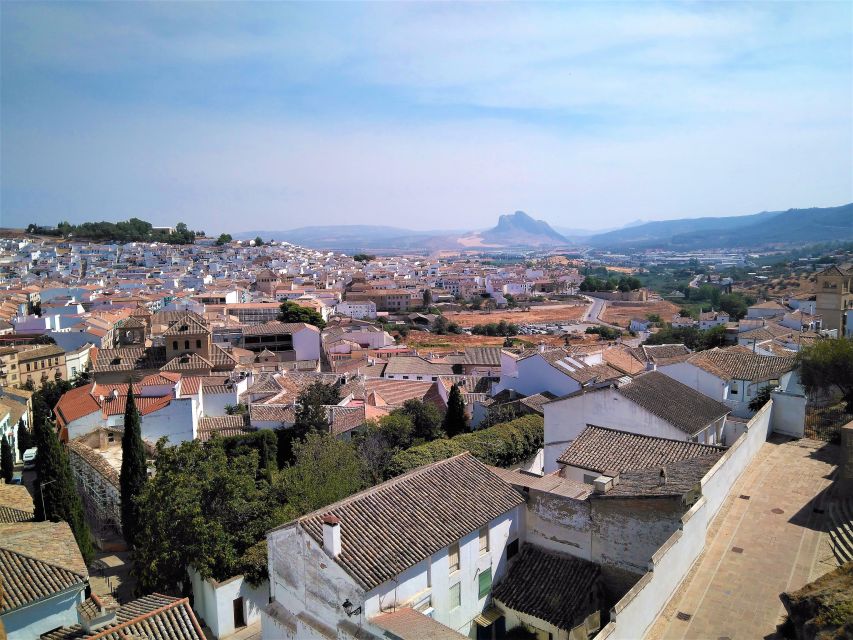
733, 376
651, 405
358, 310
554, 370
382, 550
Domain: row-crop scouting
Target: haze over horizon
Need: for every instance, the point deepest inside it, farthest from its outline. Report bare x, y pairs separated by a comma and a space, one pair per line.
233, 117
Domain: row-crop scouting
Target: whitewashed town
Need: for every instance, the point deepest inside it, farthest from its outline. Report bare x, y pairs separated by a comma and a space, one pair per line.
426, 320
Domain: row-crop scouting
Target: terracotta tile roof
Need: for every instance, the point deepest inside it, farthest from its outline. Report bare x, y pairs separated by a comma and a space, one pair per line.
674, 402
681, 477
742, 364
560, 589
482, 356
576, 369
188, 323
153, 617
222, 358
659, 352
283, 413
343, 419
223, 426
602, 450
396, 524
188, 362
537, 401
16, 503
276, 328
47, 350
396, 392
549, 483
75, 404
408, 624
129, 359
37, 560
145, 405
415, 365
623, 359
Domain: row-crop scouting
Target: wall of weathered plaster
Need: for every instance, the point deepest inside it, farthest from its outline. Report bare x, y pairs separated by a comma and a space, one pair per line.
627, 532
559, 523
631, 617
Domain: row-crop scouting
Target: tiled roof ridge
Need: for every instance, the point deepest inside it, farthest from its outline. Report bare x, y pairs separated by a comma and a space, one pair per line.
382, 486
646, 436
176, 602
29, 556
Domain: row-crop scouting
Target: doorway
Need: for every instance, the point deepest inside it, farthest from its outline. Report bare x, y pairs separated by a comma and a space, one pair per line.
239, 614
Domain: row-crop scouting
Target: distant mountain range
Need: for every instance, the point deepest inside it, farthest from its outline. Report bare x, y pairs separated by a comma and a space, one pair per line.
794, 226
519, 230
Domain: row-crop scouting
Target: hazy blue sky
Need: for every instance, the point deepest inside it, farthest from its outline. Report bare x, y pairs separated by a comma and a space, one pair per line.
237, 116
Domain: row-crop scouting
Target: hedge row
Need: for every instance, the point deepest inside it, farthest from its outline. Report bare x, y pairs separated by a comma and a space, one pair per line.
502, 445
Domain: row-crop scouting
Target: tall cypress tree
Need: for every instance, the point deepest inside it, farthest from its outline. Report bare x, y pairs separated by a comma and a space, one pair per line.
55, 496
455, 420
25, 437
7, 463
134, 471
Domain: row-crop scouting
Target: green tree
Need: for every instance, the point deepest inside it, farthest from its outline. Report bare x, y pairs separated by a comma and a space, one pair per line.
761, 398
380, 440
7, 463
325, 470
311, 413
259, 242
455, 420
828, 364
25, 438
425, 417
55, 495
201, 508
440, 325
134, 470
291, 312
713, 337
734, 304
224, 238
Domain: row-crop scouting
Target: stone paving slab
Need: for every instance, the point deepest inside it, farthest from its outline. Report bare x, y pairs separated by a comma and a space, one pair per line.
756, 549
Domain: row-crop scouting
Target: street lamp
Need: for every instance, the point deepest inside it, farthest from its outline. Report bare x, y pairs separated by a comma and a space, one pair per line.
41, 492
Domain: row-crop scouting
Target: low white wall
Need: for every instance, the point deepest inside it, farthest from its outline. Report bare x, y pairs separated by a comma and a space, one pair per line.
631, 617
789, 416
214, 601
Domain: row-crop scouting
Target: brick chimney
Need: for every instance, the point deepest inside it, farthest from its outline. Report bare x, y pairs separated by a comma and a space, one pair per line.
332, 535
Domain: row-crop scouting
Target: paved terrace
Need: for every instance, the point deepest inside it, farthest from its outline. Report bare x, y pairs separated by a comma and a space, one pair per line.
765, 540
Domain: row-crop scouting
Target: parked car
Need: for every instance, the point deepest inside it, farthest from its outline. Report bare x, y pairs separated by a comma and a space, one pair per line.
30, 458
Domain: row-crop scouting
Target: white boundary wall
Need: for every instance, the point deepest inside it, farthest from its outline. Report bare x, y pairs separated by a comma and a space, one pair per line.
632, 616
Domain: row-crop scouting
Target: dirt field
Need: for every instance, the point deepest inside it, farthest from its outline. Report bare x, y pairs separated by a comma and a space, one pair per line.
429, 342
539, 314
618, 314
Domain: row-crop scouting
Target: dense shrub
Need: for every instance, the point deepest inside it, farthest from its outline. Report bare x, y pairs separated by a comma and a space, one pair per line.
501, 445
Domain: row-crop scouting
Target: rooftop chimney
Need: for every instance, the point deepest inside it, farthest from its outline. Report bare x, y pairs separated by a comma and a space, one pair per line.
332, 535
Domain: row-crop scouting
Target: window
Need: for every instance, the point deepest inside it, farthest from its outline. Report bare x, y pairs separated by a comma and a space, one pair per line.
484, 540
512, 549
175, 344
455, 596
28, 366
186, 344
484, 583
453, 557
198, 344
405, 377
734, 390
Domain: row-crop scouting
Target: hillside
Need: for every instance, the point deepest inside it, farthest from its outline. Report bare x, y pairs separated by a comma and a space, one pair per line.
795, 226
